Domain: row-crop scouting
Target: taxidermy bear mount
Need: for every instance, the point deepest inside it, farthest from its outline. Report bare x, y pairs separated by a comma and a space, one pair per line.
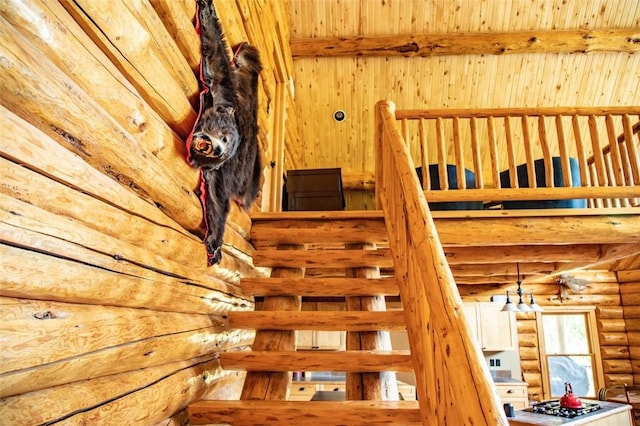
223, 142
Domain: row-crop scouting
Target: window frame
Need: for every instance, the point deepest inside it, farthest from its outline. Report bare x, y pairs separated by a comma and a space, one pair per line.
593, 341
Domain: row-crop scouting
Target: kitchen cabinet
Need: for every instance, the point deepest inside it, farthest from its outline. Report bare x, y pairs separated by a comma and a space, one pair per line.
514, 393
319, 339
406, 392
493, 329
303, 390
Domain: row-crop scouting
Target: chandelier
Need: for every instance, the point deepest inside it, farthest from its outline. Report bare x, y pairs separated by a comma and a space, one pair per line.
521, 306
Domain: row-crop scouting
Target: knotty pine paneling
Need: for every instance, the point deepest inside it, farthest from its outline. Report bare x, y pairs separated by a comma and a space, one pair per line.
355, 85
330, 18
465, 81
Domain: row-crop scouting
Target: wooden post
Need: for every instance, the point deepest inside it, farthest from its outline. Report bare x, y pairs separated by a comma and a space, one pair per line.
369, 386
274, 385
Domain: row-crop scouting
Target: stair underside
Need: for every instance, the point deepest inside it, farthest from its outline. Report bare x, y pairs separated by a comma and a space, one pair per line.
319, 287
351, 361
325, 413
315, 320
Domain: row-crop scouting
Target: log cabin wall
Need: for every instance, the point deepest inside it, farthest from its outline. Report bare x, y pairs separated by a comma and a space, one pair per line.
629, 288
109, 313
604, 292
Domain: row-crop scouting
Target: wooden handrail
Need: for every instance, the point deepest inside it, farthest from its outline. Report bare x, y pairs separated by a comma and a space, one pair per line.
514, 112
446, 361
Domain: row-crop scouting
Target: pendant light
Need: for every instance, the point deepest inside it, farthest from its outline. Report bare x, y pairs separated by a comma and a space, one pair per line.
521, 306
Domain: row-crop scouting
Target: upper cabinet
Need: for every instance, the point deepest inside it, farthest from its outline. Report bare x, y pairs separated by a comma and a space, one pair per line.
494, 329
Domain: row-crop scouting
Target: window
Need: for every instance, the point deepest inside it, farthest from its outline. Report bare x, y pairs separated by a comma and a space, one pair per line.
569, 352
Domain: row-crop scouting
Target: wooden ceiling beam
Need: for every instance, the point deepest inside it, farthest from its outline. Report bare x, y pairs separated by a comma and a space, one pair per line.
610, 253
626, 40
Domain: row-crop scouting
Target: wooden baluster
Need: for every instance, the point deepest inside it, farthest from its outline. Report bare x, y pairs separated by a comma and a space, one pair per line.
608, 164
546, 153
457, 144
632, 156
614, 149
582, 155
528, 150
426, 174
477, 158
567, 179
615, 162
598, 158
493, 151
380, 149
585, 178
632, 149
442, 155
593, 173
405, 131
511, 155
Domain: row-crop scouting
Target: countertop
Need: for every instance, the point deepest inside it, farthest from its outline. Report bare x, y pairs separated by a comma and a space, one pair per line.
340, 377
526, 418
507, 380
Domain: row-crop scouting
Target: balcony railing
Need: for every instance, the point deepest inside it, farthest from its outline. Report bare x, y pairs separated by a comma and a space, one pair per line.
590, 155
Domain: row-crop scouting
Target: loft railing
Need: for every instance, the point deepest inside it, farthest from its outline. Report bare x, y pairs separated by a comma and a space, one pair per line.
578, 153
453, 382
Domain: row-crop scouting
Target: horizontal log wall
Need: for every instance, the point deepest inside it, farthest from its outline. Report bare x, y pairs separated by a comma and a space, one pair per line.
109, 313
604, 292
630, 288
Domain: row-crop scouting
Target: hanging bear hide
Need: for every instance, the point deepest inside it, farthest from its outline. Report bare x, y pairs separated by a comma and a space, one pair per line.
223, 143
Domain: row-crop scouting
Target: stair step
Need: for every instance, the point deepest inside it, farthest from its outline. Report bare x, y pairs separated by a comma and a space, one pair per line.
271, 229
351, 361
317, 320
325, 413
319, 287
341, 258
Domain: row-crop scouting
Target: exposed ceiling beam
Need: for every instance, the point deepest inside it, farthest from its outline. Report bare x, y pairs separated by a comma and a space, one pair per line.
484, 43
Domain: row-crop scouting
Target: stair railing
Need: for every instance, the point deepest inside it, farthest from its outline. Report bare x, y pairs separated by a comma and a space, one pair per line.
453, 382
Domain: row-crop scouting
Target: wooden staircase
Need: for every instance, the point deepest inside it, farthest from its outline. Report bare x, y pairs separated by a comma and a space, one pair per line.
335, 255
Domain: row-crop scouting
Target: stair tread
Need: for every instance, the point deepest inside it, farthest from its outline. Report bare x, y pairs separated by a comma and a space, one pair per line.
305, 412
311, 228
352, 361
315, 215
317, 320
334, 286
